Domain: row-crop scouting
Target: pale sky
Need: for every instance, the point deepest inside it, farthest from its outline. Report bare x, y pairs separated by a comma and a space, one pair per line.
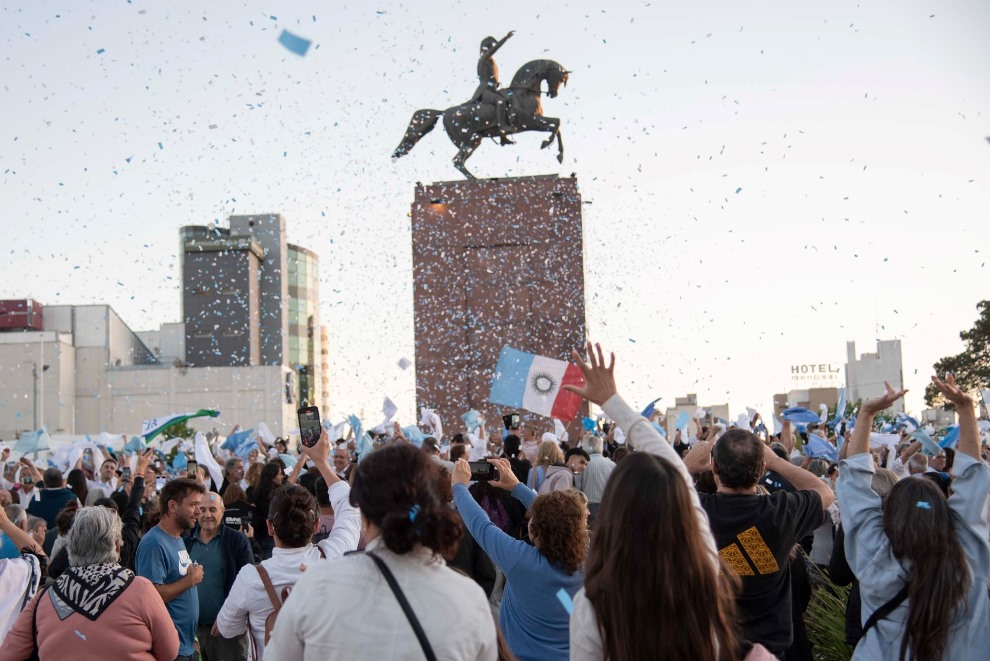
768, 179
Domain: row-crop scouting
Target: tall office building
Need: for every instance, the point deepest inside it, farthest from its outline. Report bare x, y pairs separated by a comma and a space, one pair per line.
252, 298
495, 262
304, 346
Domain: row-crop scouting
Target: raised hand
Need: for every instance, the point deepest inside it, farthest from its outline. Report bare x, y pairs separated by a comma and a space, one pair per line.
599, 381
462, 472
699, 459
506, 478
951, 392
882, 402
319, 452
143, 461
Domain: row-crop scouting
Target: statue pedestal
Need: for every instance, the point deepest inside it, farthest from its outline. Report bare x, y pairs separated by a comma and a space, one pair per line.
495, 262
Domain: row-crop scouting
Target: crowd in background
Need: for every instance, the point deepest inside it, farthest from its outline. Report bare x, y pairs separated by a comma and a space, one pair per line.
622, 544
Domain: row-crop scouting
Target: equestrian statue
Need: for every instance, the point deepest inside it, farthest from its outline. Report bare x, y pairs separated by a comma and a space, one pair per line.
494, 112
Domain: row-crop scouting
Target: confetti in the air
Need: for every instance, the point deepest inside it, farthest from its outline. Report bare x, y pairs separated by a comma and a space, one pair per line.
294, 43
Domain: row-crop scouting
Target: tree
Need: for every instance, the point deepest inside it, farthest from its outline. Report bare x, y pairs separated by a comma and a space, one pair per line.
972, 366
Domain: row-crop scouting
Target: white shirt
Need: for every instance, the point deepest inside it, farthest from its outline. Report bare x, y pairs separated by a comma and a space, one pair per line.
109, 487
479, 449
26, 498
248, 603
530, 448
898, 468
345, 610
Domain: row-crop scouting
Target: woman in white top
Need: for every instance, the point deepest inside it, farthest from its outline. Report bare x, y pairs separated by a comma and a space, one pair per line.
345, 608
292, 519
653, 587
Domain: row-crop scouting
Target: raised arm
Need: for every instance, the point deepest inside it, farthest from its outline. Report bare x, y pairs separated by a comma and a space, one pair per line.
20, 538
860, 441
969, 433
294, 475
498, 44
505, 551
787, 436
600, 389
800, 478
972, 479
346, 531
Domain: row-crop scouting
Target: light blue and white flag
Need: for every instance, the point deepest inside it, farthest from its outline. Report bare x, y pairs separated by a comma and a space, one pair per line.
951, 438
928, 446
34, 442
362, 441
819, 447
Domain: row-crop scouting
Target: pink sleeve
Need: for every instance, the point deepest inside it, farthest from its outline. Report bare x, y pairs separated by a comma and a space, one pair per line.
164, 637
19, 643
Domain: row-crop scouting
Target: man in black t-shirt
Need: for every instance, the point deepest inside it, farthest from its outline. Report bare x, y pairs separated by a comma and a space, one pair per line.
755, 534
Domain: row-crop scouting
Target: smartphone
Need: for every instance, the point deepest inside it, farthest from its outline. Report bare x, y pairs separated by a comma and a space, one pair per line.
510, 421
125, 474
482, 471
191, 468
309, 425
160, 483
27, 479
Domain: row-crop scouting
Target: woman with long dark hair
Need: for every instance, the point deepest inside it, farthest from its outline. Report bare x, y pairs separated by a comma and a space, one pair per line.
922, 559
76, 481
351, 609
654, 586
270, 480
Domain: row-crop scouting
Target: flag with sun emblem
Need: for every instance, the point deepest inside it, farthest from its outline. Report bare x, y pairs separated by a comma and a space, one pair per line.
527, 381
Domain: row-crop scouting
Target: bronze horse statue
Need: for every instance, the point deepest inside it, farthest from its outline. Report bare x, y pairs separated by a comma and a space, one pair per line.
469, 123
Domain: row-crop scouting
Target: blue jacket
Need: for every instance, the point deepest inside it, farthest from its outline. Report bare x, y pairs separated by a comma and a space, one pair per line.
535, 621
50, 503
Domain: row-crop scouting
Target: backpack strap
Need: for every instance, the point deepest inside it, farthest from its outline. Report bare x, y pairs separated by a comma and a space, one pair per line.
424, 642
886, 609
266, 580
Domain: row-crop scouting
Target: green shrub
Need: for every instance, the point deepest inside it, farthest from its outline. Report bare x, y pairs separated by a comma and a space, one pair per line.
826, 619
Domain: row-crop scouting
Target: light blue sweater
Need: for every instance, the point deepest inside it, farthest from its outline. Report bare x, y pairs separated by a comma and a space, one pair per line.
534, 621
881, 574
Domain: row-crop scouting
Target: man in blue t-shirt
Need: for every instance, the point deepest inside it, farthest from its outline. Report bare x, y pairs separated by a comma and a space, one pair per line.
162, 558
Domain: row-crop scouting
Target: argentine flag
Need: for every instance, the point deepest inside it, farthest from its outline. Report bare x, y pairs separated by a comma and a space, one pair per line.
535, 383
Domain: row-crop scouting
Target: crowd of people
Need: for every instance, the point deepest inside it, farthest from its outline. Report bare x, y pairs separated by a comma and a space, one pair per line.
623, 545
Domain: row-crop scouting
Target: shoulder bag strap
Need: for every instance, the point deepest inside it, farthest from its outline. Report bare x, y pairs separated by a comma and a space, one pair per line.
266, 580
406, 608
34, 626
886, 609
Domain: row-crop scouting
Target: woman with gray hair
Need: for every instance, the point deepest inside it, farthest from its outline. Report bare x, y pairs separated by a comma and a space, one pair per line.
96, 608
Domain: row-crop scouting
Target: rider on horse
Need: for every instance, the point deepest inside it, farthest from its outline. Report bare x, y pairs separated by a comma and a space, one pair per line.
488, 91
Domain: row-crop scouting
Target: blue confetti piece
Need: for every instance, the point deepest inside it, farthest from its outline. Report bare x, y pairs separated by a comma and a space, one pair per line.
274, 18
738, 190
293, 43
101, 51
161, 146
565, 600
